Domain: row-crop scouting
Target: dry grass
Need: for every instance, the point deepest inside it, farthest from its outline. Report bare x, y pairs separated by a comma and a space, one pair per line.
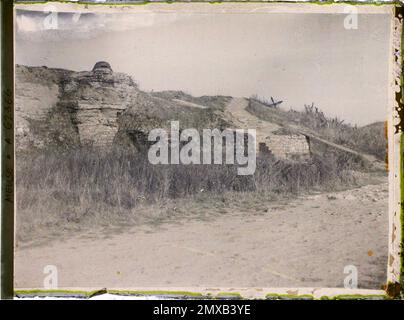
88, 187
80, 188
369, 139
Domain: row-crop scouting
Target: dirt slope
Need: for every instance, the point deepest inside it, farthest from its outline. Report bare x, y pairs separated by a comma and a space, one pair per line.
245, 120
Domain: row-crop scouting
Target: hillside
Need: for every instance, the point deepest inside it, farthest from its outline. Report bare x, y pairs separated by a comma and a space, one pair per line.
368, 141
64, 110
81, 139
58, 108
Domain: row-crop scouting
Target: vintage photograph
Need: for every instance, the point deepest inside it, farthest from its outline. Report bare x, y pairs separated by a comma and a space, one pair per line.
202, 146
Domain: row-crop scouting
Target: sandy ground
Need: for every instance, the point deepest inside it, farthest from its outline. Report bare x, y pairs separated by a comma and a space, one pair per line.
305, 243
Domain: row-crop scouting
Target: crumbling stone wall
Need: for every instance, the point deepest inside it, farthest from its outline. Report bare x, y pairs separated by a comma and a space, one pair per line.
96, 99
291, 147
62, 107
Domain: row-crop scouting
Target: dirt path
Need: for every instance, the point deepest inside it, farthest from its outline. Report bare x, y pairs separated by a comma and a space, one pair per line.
245, 120
304, 243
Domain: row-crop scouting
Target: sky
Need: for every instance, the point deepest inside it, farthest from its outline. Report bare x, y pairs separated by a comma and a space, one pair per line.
298, 58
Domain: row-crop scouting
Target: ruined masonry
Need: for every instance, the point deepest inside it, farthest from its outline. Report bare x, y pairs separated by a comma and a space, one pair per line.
56, 106
270, 139
63, 108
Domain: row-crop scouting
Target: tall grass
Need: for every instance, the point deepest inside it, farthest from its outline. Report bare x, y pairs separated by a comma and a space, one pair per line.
368, 139
89, 186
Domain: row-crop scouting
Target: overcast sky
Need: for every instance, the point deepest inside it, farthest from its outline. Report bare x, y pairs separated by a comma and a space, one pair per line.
297, 58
